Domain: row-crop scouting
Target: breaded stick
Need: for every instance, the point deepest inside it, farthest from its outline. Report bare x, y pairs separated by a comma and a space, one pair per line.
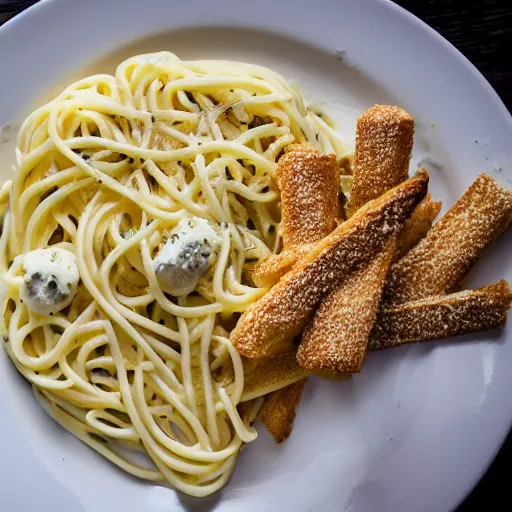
384, 138
417, 226
386, 134
309, 185
279, 409
442, 316
268, 374
337, 336
269, 325
454, 244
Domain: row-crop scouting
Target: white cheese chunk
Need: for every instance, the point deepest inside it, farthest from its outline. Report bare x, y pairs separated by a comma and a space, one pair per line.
50, 281
186, 256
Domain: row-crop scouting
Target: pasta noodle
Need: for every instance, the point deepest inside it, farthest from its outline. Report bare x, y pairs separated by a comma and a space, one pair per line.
107, 171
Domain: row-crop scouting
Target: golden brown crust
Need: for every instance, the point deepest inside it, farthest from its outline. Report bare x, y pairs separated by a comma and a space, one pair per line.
442, 316
384, 138
417, 226
337, 336
268, 374
279, 410
269, 325
309, 184
454, 244
267, 273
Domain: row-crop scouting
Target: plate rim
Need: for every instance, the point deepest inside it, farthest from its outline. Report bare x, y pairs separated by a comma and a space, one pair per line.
32, 11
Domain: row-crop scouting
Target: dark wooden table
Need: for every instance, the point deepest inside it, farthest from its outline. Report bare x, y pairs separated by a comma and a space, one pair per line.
482, 31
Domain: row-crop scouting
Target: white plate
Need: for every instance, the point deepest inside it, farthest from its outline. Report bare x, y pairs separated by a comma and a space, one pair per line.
418, 427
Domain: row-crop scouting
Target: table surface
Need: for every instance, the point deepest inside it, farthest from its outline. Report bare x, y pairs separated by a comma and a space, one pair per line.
482, 31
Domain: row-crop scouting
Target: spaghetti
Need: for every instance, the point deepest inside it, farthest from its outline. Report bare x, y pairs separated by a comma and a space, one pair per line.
107, 175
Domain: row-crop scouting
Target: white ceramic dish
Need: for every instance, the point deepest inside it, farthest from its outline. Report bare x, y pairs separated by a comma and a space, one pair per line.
418, 427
